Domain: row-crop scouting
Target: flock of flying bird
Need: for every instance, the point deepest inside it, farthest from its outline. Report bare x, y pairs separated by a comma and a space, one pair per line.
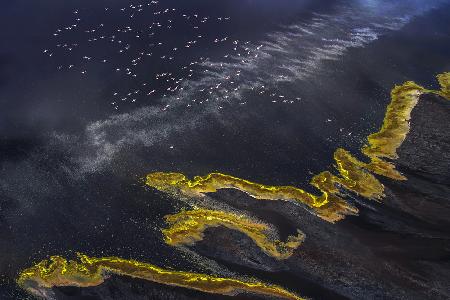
138, 48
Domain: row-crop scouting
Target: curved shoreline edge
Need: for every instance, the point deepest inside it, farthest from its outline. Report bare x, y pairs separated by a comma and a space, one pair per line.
354, 176
91, 271
188, 226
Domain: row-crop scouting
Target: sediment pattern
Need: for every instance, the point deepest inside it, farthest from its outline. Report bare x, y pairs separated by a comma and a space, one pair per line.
444, 81
353, 175
384, 143
328, 210
92, 271
187, 227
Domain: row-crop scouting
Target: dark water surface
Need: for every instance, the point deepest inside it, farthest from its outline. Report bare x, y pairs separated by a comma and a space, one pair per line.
285, 84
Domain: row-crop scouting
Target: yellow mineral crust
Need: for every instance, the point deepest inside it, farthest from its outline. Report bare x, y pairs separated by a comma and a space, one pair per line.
385, 142
91, 271
354, 175
187, 227
444, 81
328, 210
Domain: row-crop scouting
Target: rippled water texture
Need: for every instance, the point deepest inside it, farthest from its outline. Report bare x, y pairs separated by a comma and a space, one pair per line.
214, 149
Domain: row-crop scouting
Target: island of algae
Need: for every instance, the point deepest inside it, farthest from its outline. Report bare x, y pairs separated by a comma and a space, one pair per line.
91, 271
444, 81
353, 175
187, 227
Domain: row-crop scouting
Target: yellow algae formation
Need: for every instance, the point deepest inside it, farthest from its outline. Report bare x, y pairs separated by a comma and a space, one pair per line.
176, 182
329, 205
444, 81
385, 142
92, 271
187, 227
354, 175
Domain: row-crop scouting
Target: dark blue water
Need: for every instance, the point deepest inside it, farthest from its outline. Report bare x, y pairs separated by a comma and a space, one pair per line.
268, 92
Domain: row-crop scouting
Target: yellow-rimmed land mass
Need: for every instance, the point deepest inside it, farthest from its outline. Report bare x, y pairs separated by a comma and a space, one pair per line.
354, 175
444, 81
404, 98
328, 210
385, 142
187, 227
329, 205
92, 271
